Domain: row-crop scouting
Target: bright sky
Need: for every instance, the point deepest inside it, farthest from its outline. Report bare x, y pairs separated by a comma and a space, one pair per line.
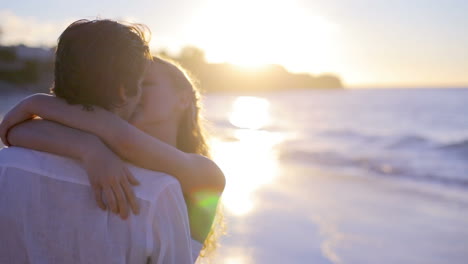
366, 42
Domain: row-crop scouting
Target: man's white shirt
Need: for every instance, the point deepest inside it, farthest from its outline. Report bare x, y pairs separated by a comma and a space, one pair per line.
48, 215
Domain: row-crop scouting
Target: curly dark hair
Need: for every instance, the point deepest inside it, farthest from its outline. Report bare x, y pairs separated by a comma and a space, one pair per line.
94, 58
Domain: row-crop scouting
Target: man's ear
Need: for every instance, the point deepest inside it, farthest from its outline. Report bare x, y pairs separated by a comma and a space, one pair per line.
122, 94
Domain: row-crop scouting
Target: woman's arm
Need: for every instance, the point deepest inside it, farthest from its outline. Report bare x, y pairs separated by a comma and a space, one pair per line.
194, 171
106, 172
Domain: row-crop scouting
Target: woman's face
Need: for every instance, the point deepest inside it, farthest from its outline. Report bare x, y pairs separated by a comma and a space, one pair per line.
160, 102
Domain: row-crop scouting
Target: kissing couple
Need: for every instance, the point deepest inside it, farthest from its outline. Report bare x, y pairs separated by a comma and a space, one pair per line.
114, 167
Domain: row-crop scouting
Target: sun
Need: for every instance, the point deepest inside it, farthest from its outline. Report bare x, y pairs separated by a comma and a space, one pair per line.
258, 32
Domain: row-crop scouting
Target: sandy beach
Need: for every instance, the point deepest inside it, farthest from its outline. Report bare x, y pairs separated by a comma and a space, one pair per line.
310, 216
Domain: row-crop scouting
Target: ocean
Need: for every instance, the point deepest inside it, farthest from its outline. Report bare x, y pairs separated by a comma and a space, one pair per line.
341, 176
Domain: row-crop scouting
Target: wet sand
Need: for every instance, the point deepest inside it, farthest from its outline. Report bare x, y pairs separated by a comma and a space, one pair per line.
309, 216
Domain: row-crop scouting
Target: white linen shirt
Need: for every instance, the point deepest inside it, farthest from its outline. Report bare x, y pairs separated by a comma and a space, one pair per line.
48, 215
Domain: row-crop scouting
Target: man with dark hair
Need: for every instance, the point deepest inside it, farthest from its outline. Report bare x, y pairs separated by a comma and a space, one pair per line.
47, 214
101, 63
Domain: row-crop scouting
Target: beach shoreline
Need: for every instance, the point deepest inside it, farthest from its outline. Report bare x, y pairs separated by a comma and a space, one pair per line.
352, 220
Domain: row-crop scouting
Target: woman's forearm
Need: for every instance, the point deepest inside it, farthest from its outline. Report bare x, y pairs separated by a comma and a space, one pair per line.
193, 171
110, 128
47, 136
124, 139
97, 121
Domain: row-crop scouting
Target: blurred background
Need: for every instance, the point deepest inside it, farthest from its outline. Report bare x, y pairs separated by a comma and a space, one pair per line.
341, 126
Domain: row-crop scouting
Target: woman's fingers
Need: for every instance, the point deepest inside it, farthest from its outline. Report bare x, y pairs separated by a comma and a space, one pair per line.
111, 202
98, 196
4, 127
131, 179
130, 195
3, 133
121, 202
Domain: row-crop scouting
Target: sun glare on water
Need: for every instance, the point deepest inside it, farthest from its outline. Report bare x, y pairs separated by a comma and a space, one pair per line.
250, 112
249, 162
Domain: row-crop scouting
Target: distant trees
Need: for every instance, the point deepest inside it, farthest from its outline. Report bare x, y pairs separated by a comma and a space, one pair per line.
228, 77
13, 70
37, 69
7, 55
19, 70
26, 74
192, 57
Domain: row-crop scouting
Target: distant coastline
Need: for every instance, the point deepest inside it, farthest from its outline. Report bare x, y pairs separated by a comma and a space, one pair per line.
30, 69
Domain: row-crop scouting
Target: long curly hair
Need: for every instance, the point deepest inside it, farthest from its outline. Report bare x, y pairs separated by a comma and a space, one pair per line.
192, 137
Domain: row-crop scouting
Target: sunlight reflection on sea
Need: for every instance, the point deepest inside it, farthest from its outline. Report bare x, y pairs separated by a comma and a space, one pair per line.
249, 161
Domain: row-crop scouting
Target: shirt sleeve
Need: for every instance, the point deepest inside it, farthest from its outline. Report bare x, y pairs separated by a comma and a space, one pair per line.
171, 229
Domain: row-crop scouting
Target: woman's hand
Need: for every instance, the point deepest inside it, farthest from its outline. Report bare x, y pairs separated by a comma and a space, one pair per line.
110, 177
18, 114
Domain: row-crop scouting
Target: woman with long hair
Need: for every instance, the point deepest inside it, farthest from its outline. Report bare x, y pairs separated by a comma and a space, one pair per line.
164, 134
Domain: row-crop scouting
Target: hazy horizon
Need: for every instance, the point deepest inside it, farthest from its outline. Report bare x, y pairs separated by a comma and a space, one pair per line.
366, 43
